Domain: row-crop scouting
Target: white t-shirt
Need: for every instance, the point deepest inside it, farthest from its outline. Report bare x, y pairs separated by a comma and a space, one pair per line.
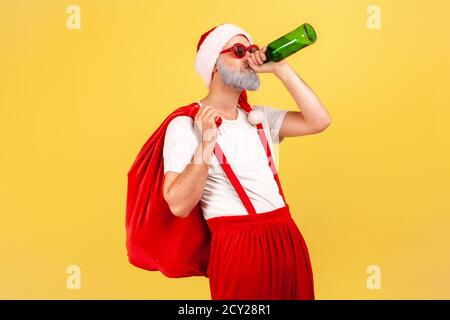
245, 153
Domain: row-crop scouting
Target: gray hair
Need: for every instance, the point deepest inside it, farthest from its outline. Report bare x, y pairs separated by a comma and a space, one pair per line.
237, 79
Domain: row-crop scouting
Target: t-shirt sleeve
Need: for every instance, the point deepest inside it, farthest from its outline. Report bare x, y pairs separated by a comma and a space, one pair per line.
274, 119
179, 144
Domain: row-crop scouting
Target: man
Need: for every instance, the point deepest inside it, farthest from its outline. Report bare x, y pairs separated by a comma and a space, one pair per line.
257, 251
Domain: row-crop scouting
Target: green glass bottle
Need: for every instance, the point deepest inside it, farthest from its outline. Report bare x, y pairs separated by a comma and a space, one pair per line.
290, 43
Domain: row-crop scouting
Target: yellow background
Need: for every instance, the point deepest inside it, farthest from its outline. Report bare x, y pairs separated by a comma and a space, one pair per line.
77, 105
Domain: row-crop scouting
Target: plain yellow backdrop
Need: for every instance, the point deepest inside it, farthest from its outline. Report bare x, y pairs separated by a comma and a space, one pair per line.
77, 105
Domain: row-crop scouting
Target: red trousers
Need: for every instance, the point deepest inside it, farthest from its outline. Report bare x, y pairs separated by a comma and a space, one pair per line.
259, 257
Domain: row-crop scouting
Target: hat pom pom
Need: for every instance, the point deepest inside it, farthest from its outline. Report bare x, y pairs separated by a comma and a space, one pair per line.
255, 117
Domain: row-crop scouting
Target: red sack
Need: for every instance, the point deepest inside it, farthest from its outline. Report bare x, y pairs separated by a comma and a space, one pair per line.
157, 239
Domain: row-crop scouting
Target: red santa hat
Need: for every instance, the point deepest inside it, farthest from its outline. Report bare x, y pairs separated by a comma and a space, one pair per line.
208, 51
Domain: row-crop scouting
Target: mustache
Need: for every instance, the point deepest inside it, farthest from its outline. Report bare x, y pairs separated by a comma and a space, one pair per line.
247, 79
242, 79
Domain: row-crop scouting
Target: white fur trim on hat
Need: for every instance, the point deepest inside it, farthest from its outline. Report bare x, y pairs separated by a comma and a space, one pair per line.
255, 117
209, 50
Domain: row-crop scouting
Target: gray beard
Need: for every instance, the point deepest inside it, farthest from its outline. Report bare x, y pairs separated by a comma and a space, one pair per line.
245, 80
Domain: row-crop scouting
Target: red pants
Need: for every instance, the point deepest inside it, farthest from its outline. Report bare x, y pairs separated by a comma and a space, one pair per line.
259, 257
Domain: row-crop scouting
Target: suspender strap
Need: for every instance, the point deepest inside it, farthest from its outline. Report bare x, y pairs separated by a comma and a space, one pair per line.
234, 180
265, 143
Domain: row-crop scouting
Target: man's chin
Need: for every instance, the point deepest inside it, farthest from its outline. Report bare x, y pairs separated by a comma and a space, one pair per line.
252, 89
240, 88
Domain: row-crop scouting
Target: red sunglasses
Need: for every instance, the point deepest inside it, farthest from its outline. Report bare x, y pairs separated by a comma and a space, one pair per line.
239, 49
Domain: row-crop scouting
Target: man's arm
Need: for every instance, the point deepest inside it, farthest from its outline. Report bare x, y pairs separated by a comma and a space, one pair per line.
182, 191
312, 118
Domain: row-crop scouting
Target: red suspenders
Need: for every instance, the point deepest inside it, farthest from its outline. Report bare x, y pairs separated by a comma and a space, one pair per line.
235, 181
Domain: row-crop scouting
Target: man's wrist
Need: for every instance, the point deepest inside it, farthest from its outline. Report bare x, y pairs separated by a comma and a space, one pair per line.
204, 153
284, 72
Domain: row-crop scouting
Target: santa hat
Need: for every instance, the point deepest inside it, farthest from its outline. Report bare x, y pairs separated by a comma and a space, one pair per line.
208, 50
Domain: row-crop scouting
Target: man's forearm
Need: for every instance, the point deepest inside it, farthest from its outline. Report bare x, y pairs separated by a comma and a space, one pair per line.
188, 188
312, 108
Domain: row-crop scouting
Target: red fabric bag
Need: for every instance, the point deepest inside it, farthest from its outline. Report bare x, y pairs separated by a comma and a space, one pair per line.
157, 239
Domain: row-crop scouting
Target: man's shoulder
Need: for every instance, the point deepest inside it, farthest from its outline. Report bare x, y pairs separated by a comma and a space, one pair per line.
180, 126
181, 122
270, 112
267, 109
259, 106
